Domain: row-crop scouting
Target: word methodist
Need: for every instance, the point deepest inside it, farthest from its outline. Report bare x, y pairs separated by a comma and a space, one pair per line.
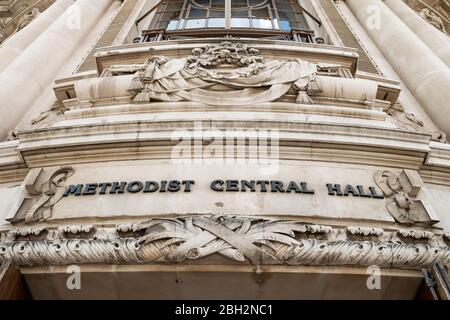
274, 186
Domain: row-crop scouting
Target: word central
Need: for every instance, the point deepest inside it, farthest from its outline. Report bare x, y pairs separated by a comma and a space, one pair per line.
260, 185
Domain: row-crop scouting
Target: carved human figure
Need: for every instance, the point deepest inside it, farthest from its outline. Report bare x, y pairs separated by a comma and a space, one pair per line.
433, 19
27, 18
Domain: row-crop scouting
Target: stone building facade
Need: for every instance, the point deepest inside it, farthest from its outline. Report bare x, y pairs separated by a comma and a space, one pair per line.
225, 149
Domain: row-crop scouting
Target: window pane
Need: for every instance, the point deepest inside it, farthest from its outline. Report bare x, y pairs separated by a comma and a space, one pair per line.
282, 15
216, 23
195, 23
203, 3
260, 13
218, 3
197, 13
172, 25
240, 23
285, 25
262, 24
217, 14
256, 3
239, 13
283, 5
239, 4
174, 6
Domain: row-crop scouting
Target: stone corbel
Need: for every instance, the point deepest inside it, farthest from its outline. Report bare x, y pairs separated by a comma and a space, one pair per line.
404, 197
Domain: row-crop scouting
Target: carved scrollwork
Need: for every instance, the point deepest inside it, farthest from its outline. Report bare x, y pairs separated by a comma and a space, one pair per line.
402, 193
246, 240
4, 265
44, 189
12, 135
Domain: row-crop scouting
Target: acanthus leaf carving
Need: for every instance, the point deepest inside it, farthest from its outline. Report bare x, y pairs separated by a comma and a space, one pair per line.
253, 240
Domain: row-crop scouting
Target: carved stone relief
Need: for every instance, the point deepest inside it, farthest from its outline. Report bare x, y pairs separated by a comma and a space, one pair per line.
12, 135
220, 74
242, 239
44, 190
27, 18
408, 121
4, 265
401, 193
433, 19
46, 118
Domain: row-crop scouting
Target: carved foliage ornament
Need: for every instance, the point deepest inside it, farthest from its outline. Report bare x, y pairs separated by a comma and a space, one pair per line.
403, 200
250, 240
224, 74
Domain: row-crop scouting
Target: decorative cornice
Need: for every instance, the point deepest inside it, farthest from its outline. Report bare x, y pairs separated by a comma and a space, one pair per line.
246, 240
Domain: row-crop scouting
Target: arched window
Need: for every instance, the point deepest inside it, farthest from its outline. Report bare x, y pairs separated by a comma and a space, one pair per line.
278, 19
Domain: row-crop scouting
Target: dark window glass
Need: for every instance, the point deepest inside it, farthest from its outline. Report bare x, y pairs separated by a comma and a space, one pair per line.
282, 16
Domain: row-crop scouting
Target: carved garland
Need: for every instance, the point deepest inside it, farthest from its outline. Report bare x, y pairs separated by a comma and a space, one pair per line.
241, 239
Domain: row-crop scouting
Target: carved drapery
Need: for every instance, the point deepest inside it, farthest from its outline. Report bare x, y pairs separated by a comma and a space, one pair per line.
206, 77
246, 240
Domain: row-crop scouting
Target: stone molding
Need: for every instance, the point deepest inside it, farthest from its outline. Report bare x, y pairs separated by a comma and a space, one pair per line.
241, 239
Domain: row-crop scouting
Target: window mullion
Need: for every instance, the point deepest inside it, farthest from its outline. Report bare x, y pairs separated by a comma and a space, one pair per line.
228, 14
